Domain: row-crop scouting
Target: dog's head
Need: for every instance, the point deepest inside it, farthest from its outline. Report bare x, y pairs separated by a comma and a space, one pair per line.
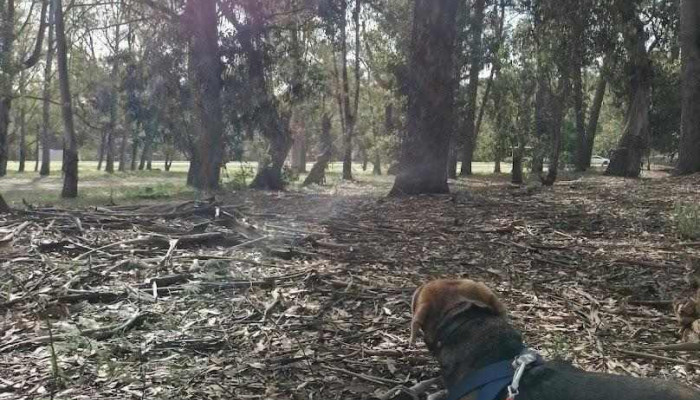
437, 300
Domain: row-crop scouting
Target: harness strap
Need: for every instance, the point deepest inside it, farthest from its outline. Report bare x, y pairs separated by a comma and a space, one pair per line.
493, 379
490, 381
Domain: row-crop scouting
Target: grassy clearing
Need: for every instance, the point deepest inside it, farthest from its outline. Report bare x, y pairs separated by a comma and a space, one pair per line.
100, 188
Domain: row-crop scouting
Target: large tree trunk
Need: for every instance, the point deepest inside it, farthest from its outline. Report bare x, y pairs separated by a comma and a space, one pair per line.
592, 126
689, 152
203, 24
350, 114
272, 124
123, 145
114, 103
559, 107
46, 104
626, 160
317, 175
430, 117
9, 67
477, 27
70, 144
101, 150
148, 142
298, 128
388, 131
22, 126
135, 155
36, 154
542, 122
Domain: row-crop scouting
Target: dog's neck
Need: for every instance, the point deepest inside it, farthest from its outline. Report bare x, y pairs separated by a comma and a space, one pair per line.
479, 340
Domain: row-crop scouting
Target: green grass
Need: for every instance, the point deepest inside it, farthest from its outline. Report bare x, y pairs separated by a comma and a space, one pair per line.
99, 188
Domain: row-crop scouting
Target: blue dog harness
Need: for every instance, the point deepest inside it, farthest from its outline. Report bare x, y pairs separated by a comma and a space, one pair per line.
491, 380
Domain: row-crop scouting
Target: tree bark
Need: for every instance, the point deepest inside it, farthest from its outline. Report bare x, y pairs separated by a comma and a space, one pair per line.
350, 114
148, 142
477, 28
298, 128
542, 122
202, 21
22, 125
274, 126
689, 151
135, 155
430, 116
593, 117
559, 107
70, 144
626, 160
317, 175
9, 67
46, 105
101, 150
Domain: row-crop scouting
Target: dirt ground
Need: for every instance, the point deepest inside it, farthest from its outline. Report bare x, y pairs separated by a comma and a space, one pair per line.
305, 294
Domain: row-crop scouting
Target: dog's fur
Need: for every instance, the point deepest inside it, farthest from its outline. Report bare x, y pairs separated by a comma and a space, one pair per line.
485, 336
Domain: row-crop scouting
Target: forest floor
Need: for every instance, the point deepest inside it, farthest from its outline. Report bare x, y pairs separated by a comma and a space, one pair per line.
305, 294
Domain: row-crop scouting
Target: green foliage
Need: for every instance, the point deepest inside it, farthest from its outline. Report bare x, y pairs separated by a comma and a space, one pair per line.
687, 220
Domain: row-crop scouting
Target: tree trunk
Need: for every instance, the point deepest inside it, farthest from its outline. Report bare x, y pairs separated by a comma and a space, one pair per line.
559, 106
317, 175
101, 150
430, 118
452, 158
298, 128
36, 154
202, 21
9, 68
22, 125
475, 61
580, 118
145, 152
689, 152
350, 114
123, 145
272, 124
5, 104
388, 131
4, 207
626, 160
70, 144
517, 172
114, 104
46, 105
593, 117
134, 154
541, 121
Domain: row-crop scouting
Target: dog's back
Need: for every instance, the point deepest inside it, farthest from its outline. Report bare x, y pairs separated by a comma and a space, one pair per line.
558, 380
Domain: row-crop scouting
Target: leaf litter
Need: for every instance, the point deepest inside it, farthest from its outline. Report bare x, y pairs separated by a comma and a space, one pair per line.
307, 294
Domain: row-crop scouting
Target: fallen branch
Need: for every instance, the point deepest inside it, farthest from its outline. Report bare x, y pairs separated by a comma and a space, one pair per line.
369, 378
660, 358
676, 347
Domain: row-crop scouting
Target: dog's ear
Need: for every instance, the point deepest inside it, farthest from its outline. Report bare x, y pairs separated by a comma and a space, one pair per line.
420, 312
481, 296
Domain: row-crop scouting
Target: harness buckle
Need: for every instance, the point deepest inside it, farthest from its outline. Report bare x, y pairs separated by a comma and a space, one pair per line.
520, 363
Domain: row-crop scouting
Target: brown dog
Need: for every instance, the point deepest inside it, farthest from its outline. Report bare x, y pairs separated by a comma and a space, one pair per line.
465, 326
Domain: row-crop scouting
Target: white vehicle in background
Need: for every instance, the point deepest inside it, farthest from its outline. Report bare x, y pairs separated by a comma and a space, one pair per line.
598, 161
